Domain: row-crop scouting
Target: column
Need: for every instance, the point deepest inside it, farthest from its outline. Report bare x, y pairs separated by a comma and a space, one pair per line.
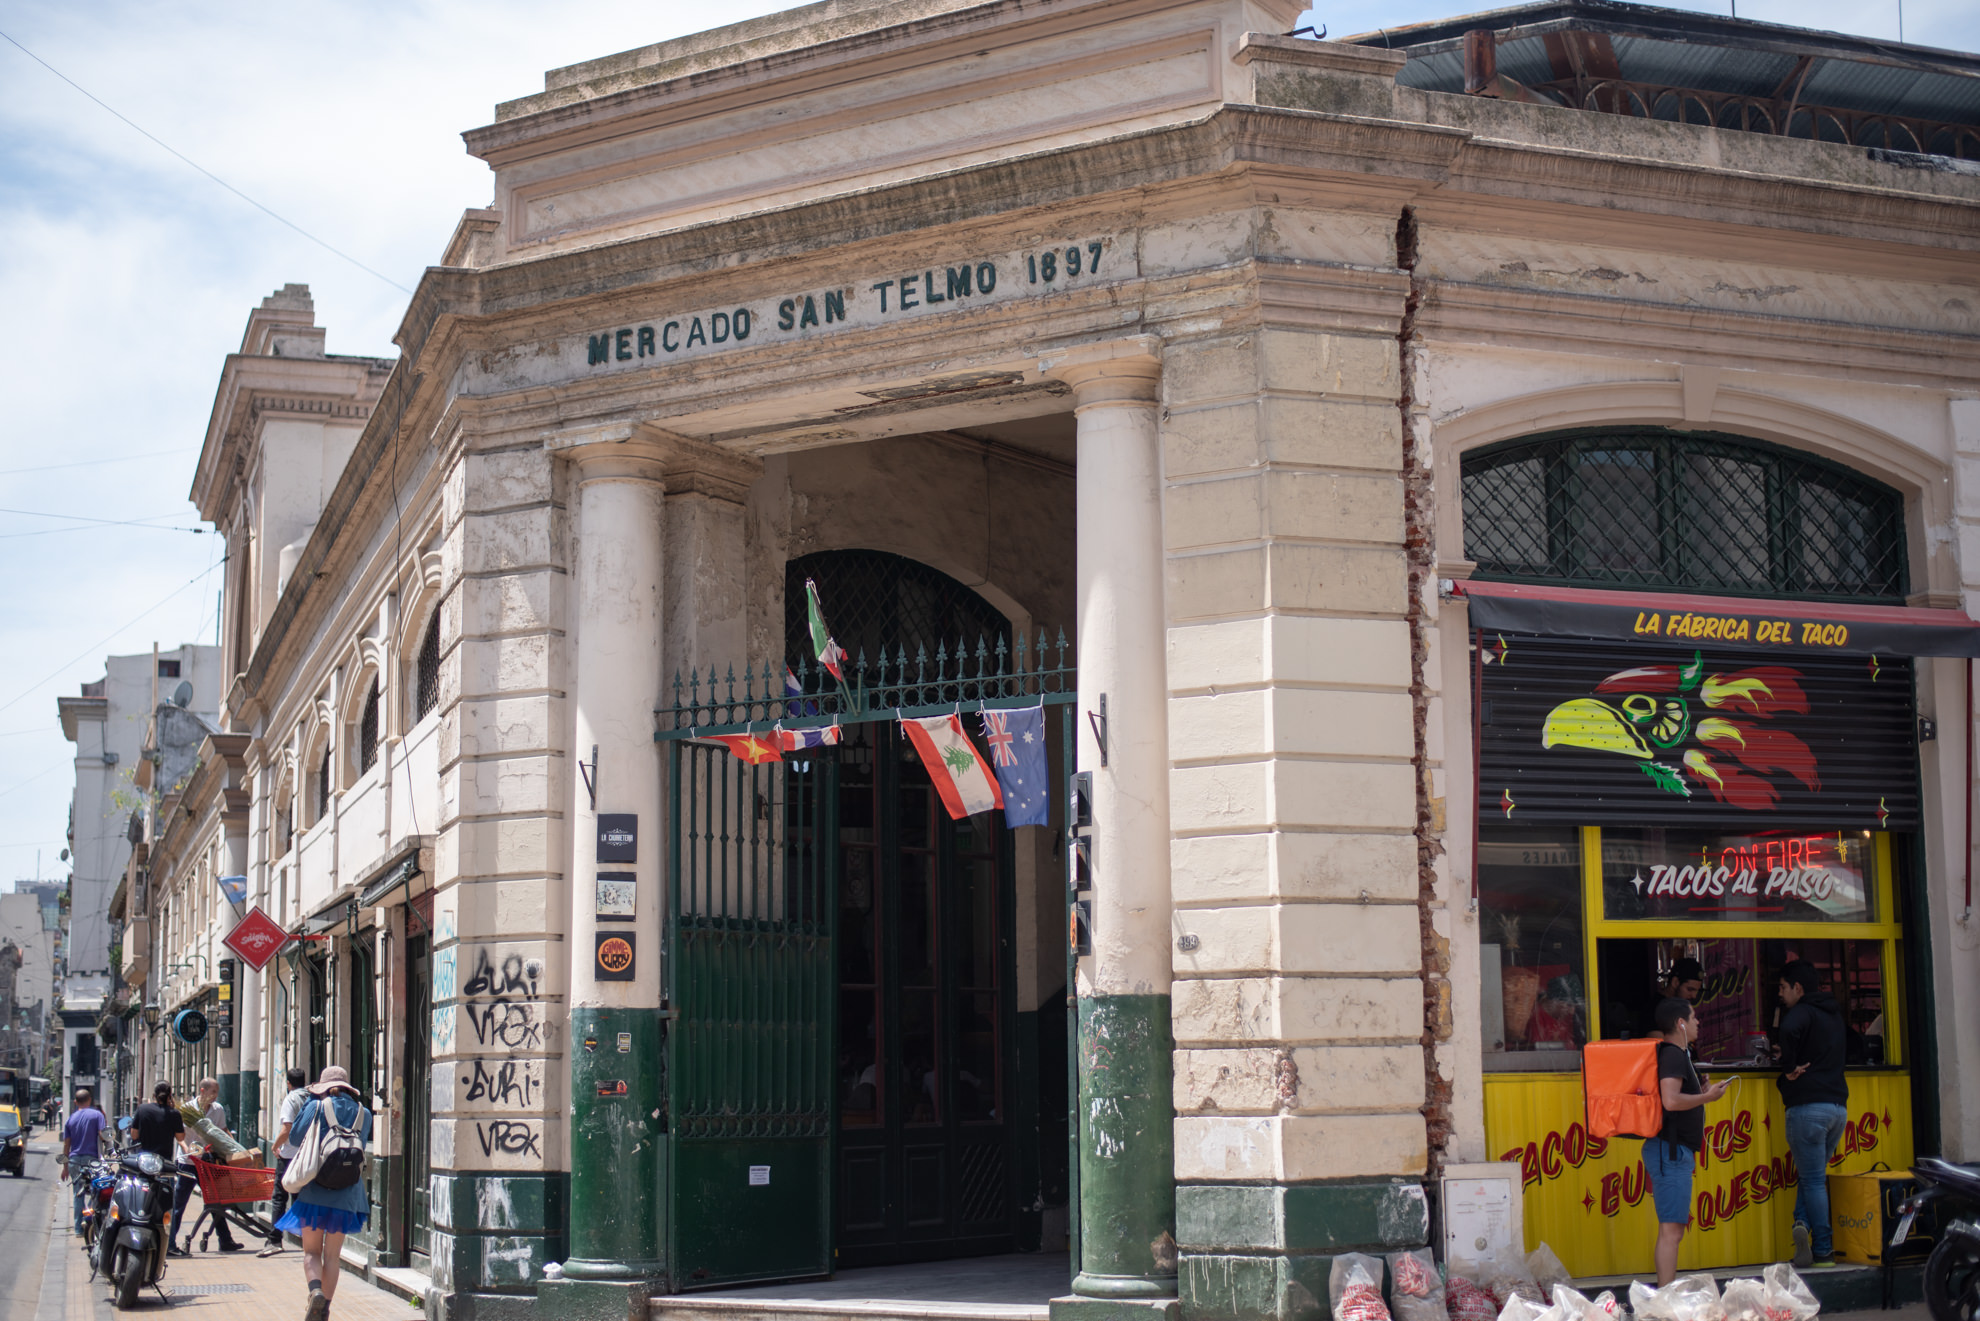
1300, 1007
1126, 1112
617, 1168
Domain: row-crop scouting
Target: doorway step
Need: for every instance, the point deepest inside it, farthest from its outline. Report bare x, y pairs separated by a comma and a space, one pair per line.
1015, 1287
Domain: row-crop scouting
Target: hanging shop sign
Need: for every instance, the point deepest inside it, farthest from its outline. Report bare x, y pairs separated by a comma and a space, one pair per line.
1573, 732
1772, 627
189, 1026
256, 938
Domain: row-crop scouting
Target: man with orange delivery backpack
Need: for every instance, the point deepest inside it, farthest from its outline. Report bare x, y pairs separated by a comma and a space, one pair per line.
1650, 1089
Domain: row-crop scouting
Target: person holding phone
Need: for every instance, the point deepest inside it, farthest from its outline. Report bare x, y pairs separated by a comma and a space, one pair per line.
1670, 1157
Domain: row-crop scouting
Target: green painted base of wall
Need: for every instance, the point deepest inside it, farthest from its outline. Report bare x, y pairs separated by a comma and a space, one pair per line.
1116, 1309
1251, 1253
245, 1106
493, 1234
1127, 1148
618, 1218
480, 1307
592, 1300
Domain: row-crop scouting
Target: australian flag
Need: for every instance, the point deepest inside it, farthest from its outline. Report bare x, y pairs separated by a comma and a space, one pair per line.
1017, 752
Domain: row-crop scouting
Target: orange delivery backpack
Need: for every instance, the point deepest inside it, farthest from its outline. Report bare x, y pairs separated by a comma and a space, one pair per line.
1619, 1081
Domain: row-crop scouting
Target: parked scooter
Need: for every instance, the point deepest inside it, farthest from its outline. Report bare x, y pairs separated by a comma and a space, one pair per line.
101, 1177
134, 1238
1952, 1272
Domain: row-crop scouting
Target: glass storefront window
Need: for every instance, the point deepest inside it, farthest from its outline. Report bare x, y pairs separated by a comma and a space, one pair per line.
1659, 874
1534, 992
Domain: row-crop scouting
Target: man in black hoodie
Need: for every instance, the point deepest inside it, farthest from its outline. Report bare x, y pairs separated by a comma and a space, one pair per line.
1816, 1094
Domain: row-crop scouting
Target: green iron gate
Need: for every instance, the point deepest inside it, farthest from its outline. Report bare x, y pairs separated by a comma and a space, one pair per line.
751, 972
749, 1052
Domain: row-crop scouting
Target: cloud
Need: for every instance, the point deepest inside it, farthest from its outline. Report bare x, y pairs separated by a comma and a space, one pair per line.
127, 277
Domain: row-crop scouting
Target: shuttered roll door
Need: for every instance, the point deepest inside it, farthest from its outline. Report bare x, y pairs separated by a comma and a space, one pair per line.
1574, 732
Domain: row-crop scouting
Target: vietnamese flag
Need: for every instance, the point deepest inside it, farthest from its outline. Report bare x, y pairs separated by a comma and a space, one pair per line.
958, 770
751, 748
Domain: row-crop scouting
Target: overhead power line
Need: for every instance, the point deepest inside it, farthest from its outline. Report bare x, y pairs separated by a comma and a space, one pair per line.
203, 170
150, 522
91, 463
96, 647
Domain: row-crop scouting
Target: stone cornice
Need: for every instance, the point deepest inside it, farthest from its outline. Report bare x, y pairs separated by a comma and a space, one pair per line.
637, 99
1857, 217
253, 386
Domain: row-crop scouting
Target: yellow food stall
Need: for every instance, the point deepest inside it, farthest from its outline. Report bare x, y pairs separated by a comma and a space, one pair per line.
1587, 1196
1645, 804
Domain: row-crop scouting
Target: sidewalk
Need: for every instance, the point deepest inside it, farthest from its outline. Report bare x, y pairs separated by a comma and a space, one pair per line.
214, 1286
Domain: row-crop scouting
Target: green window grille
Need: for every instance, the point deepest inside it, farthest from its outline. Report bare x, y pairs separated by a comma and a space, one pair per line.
1643, 507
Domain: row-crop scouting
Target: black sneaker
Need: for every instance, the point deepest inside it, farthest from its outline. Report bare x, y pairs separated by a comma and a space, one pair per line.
233, 1247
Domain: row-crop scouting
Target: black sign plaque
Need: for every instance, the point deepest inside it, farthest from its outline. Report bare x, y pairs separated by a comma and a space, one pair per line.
618, 837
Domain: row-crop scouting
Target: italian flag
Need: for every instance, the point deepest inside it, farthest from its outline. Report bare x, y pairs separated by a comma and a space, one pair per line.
960, 774
829, 653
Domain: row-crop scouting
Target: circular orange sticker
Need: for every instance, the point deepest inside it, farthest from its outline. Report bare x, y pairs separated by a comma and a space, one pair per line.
615, 955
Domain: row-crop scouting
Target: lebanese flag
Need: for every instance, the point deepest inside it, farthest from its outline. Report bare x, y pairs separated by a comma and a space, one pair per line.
958, 770
752, 748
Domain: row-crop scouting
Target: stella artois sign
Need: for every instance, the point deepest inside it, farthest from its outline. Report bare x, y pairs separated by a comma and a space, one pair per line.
256, 939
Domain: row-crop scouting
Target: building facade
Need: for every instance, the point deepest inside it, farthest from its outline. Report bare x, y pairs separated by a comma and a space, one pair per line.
1259, 411
110, 813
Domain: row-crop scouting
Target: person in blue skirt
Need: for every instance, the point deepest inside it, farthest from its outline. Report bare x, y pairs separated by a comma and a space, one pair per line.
322, 1216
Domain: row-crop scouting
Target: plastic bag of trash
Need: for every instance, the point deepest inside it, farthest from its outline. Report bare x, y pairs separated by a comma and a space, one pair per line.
1467, 1300
1745, 1300
1688, 1298
1505, 1273
1415, 1288
1573, 1305
1787, 1295
1546, 1269
1355, 1286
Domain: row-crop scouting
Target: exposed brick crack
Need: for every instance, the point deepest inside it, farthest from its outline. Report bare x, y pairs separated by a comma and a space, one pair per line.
1420, 549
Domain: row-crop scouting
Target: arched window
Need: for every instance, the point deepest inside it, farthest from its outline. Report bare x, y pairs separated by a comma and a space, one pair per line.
322, 785
426, 671
873, 599
368, 730
1648, 507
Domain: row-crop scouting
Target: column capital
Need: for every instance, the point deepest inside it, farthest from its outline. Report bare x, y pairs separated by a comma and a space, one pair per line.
1112, 372
641, 451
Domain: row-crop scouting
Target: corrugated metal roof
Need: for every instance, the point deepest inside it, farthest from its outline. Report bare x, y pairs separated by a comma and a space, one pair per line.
1709, 68
1678, 48
1524, 60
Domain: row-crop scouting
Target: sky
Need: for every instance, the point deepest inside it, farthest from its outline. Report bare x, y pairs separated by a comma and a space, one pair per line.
126, 275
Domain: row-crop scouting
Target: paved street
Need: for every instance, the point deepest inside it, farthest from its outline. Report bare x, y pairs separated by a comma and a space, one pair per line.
44, 1277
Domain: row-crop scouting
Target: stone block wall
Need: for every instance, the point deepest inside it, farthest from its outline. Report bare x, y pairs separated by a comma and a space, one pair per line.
500, 969
1298, 1000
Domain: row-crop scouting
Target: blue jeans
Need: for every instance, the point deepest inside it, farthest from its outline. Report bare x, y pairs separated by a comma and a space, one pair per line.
79, 1181
1812, 1134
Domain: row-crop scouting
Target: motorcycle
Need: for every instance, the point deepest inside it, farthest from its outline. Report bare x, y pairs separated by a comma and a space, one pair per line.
100, 1180
1952, 1272
134, 1237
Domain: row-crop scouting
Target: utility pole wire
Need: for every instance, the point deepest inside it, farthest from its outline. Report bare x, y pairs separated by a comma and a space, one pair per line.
203, 170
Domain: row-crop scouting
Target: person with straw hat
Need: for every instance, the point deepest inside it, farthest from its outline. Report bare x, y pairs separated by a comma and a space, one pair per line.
322, 1216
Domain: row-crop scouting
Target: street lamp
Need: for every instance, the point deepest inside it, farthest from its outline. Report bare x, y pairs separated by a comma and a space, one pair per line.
152, 1014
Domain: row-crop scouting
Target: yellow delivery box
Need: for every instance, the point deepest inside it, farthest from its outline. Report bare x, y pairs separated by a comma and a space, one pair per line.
1863, 1211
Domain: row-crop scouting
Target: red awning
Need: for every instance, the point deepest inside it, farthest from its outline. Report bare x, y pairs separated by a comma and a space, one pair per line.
1788, 626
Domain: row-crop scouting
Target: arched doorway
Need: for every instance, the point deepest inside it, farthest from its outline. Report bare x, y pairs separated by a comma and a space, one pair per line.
924, 1074
847, 1080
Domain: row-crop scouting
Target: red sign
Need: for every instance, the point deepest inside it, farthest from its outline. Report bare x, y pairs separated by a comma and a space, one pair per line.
256, 939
